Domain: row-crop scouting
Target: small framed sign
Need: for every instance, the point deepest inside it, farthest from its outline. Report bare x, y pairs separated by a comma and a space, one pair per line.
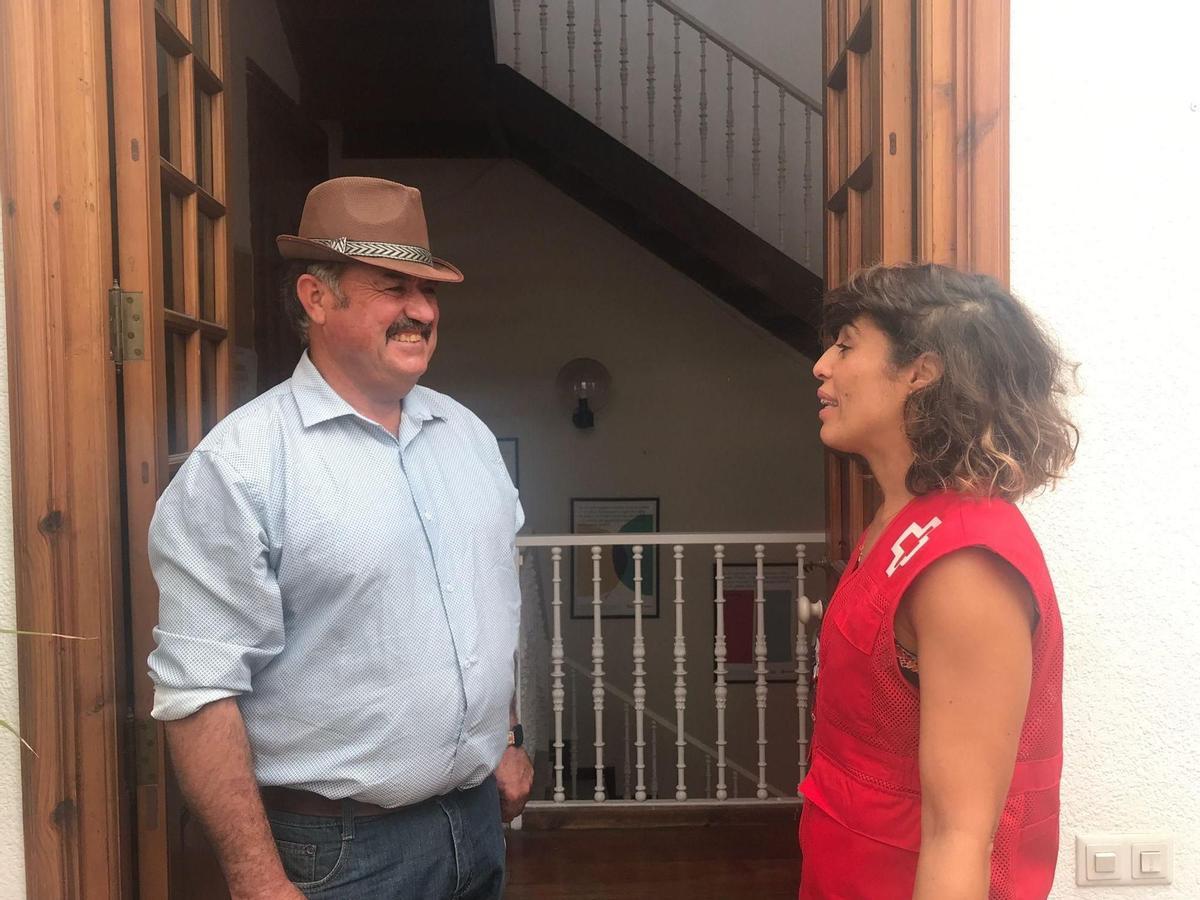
607, 515
779, 618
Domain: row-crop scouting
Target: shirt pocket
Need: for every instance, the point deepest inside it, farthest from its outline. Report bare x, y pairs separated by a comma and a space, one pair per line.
856, 615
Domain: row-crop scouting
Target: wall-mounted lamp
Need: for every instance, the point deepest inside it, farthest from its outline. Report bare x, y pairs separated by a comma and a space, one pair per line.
583, 385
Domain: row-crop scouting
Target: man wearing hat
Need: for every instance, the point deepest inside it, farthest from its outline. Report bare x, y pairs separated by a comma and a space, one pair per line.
339, 599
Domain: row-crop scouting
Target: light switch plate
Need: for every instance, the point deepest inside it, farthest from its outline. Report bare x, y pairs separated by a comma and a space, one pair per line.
1160, 844
1086, 848
1128, 849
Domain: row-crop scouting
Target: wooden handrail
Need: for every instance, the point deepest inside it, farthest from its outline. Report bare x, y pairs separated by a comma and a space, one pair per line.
659, 539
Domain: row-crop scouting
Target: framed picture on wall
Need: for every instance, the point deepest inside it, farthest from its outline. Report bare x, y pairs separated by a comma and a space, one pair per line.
509, 452
609, 515
779, 617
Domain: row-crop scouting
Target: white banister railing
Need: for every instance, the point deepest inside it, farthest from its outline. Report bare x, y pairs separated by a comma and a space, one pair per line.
639, 757
638, 119
709, 752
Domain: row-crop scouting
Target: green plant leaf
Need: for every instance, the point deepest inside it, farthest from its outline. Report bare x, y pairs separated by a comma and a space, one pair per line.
5, 725
69, 637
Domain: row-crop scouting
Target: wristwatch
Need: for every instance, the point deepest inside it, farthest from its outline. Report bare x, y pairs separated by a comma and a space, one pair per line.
516, 736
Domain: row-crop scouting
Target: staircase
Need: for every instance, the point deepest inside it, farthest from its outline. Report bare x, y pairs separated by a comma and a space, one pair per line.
659, 125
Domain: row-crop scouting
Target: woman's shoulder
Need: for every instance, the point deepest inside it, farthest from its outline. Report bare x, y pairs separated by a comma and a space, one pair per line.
988, 523
972, 513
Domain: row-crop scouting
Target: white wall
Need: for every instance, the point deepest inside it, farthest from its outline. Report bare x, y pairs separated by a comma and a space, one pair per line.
12, 854
783, 35
708, 412
1105, 230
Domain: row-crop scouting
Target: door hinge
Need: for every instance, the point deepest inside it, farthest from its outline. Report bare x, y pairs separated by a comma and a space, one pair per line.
145, 751
126, 325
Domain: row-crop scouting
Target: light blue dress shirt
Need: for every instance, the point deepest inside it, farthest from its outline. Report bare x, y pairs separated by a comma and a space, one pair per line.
356, 592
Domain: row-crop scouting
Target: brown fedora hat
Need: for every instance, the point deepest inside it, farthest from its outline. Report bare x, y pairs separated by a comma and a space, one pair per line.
367, 220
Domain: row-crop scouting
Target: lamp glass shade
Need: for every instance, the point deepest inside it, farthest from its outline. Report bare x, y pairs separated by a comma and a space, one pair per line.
583, 379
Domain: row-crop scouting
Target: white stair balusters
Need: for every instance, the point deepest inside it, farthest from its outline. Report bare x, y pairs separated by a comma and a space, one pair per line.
624, 70
516, 33
729, 132
556, 674
597, 59
678, 98
755, 156
544, 24
760, 667
747, 189
650, 80
781, 178
598, 674
703, 115
720, 690
680, 679
639, 675
571, 53
658, 639
806, 611
808, 180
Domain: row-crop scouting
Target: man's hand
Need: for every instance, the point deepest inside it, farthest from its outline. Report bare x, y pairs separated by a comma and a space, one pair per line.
514, 779
211, 758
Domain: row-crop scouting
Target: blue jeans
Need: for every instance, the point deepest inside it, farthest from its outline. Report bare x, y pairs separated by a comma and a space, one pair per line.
447, 848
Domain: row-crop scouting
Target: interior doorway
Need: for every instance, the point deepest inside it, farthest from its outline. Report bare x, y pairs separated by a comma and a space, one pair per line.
901, 182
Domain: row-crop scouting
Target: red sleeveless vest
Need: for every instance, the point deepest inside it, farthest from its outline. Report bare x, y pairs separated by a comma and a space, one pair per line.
861, 827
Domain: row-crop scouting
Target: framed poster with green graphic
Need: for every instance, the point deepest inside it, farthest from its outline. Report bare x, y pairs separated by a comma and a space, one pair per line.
613, 515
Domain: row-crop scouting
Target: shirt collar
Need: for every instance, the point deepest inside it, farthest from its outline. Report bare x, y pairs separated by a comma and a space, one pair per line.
319, 402
422, 405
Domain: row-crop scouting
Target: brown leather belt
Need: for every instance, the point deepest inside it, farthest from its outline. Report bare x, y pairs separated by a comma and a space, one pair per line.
306, 803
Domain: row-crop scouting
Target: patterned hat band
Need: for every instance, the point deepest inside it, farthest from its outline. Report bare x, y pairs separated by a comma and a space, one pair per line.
378, 250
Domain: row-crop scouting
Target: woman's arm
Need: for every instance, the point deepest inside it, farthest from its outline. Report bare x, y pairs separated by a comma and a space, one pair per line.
972, 615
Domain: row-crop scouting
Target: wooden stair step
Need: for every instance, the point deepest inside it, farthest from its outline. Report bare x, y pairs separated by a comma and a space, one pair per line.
616, 814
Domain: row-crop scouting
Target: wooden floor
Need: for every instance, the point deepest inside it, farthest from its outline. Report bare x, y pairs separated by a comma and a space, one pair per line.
721, 862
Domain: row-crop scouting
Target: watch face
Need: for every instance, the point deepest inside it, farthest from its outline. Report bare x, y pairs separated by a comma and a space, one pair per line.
516, 736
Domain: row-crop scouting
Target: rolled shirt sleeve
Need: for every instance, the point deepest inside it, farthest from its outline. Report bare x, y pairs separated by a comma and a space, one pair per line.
220, 610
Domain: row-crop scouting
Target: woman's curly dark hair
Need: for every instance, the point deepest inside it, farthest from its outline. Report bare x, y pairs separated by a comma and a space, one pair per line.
994, 423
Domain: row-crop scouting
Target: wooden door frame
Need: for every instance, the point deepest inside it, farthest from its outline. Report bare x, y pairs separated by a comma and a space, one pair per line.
955, 209
54, 187
58, 262
962, 128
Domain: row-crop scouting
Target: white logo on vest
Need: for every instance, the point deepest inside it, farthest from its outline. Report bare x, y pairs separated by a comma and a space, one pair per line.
901, 555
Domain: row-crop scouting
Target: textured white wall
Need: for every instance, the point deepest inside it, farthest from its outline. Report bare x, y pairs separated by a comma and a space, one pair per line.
1105, 231
12, 855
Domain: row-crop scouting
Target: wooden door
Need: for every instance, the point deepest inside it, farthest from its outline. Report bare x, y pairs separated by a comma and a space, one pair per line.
916, 162
168, 71
868, 188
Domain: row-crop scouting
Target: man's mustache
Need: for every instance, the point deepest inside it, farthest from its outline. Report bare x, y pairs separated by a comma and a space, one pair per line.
425, 329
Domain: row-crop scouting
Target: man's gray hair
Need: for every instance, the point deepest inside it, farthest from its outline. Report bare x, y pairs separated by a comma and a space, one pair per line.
329, 273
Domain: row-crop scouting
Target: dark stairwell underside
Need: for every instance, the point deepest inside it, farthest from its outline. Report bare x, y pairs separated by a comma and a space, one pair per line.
418, 80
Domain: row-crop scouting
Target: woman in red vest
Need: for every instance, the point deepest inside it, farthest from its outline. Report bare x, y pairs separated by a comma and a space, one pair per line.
937, 740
